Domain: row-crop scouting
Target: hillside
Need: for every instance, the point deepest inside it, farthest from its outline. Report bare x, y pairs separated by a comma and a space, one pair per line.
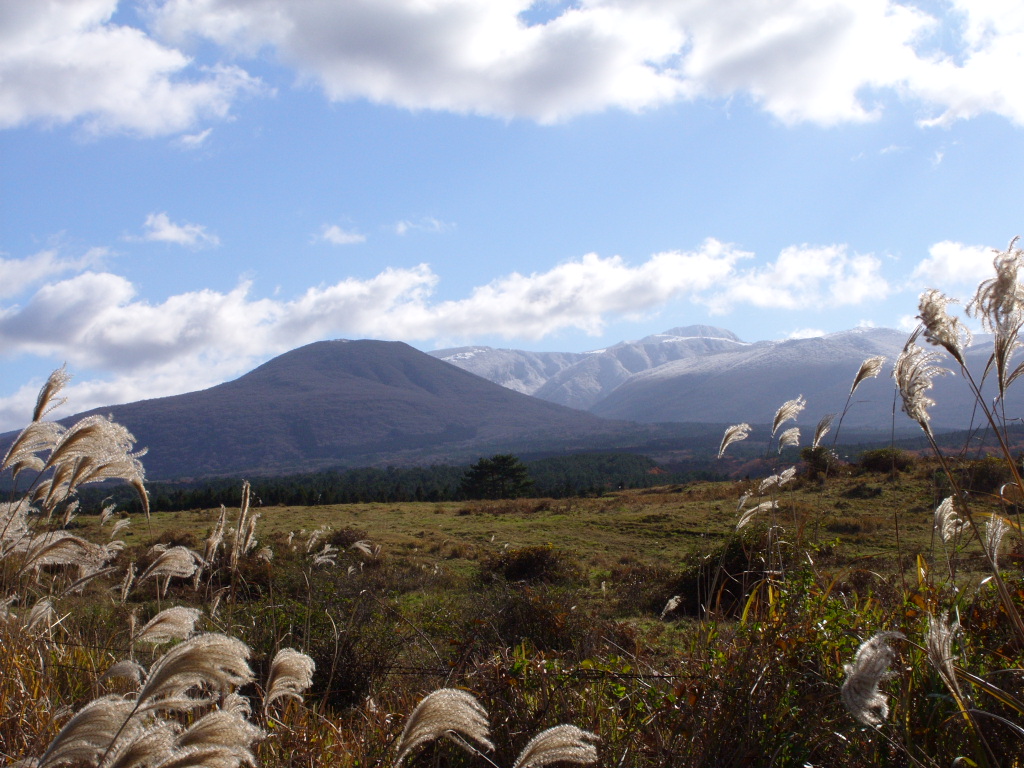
342, 403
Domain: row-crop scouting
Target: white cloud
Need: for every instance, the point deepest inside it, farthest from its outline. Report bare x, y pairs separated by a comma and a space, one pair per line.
159, 228
96, 320
805, 277
18, 274
954, 267
422, 224
823, 61
335, 235
194, 140
64, 60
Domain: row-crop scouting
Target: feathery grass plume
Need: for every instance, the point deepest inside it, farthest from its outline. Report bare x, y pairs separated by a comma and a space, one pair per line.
227, 728
999, 301
242, 529
314, 537
995, 530
266, 554
175, 562
732, 435
440, 713
824, 425
786, 475
14, 529
869, 369
914, 372
790, 436
47, 399
119, 526
291, 673
62, 548
70, 512
947, 523
42, 617
941, 328
939, 646
107, 513
326, 556
870, 666
213, 660
216, 536
127, 582
788, 410
365, 546
562, 743
751, 513
671, 605
36, 437
87, 736
152, 746
126, 669
175, 623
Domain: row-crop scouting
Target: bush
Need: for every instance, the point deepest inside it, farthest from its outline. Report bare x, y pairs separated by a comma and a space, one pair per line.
820, 461
886, 460
534, 565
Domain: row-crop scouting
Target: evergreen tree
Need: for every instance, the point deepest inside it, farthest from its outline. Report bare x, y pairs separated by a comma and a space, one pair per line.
503, 476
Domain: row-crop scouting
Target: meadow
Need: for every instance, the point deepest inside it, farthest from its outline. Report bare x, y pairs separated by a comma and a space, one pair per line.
830, 614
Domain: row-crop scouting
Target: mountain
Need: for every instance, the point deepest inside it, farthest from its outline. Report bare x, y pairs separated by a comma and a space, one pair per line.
579, 380
598, 374
749, 384
334, 403
515, 369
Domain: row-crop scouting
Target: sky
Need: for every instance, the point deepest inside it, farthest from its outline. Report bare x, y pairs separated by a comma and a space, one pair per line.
191, 187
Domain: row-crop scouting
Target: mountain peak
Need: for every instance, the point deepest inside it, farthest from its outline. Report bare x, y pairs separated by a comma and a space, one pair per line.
683, 332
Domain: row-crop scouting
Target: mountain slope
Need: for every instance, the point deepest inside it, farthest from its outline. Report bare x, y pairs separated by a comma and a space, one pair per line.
515, 369
338, 402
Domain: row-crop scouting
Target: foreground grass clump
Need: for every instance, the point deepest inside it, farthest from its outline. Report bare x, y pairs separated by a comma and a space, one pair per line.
828, 614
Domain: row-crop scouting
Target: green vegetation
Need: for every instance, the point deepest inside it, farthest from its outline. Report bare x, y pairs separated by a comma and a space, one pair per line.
503, 476
838, 615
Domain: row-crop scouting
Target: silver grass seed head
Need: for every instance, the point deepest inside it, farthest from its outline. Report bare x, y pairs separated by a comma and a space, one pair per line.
869, 369
291, 673
788, 410
732, 435
947, 522
789, 437
150, 746
563, 743
995, 530
176, 562
671, 605
37, 437
212, 660
824, 425
939, 647
127, 669
47, 399
914, 371
870, 666
941, 328
786, 475
227, 728
90, 733
999, 301
119, 526
363, 545
175, 623
753, 512
443, 711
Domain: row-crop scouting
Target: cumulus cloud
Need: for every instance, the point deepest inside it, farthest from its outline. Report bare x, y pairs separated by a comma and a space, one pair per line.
96, 320
335, 235
823, 61
805, 277
422, 224
64, 60
160, 229
805, 333
954, 267
18, 274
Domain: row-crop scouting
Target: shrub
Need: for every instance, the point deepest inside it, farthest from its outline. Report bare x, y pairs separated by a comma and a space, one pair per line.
886, 460
820, 461
534, 565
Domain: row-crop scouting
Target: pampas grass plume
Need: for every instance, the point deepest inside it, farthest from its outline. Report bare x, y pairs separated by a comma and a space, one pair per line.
870, 666
562, 743
869, 369
441, 712
732, 435
211, 659
175, 623
291, 673
788, 410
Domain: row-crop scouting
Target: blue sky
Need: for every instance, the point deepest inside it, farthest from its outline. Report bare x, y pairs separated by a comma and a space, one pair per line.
189, 187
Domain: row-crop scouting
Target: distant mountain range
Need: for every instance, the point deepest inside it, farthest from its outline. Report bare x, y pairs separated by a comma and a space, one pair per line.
358, 403
703, 374
351, 403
